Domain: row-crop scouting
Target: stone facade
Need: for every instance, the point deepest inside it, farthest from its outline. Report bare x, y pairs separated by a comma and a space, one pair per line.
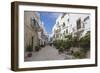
30, 34
34, 31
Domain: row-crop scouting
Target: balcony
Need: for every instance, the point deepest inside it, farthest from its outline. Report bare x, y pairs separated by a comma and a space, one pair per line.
35, 24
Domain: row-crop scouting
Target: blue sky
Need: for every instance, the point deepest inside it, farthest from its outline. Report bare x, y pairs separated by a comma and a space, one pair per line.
49, 19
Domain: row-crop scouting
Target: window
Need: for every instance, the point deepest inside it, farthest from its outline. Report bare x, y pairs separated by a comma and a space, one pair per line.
32, 40
78, 22
68, 20
64, 33
66, 30
33, 22
63, 24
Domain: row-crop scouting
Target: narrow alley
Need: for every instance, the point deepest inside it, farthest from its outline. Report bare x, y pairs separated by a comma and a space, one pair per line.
47, 53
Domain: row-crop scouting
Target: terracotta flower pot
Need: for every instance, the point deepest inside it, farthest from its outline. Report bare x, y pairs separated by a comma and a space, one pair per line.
29, 55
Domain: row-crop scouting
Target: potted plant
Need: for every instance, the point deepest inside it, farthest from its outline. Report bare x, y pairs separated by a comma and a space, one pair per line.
37, 48
29, 49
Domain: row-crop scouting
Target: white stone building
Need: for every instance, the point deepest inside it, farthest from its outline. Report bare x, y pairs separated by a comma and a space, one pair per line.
71, 23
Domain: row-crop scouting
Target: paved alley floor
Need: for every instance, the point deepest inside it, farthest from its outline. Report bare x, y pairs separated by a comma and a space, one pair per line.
46, 53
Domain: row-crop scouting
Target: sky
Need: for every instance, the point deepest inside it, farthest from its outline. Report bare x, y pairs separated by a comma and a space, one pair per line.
49, 19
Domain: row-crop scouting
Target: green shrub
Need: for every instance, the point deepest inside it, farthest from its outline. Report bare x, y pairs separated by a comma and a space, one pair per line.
75, 41
58, 44
85, 42
79, 54
55, 43
63, 44
72, 41
29, 48
67, 44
